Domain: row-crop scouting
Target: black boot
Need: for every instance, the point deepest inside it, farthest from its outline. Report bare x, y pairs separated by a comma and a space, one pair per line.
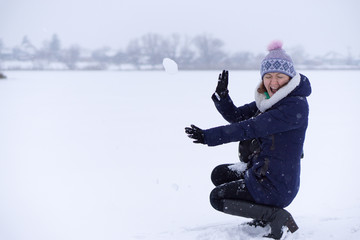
276, 217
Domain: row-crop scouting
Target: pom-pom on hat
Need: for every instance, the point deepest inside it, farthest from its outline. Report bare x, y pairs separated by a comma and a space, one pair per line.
277, 61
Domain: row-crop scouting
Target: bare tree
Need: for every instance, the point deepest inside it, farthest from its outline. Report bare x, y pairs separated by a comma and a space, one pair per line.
298, 55
71, 57
134, 53
55, 45
119, 57
152, 48
101, 55
210, 51
51, 50
186, 56
240, 60
26, 51
171, 46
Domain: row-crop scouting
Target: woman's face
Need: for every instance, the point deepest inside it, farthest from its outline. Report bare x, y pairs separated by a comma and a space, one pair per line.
274, 81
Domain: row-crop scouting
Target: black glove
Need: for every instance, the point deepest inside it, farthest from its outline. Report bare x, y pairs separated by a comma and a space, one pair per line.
195, 133
222, 86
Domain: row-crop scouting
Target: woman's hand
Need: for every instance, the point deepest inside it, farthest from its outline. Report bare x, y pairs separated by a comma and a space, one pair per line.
195, 133
222, 86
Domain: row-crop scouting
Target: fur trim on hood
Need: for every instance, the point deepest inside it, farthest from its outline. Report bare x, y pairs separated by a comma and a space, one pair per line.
264, 104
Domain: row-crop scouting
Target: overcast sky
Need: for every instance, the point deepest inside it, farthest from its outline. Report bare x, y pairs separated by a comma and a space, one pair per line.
317, 25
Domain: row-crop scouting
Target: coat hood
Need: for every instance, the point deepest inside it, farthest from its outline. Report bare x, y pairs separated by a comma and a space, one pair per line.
299, 85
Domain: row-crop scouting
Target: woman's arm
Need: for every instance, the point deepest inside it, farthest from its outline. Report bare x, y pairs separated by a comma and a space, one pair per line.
290, 115
230, 112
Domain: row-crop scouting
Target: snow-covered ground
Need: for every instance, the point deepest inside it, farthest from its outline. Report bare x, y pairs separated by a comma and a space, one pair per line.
103, 155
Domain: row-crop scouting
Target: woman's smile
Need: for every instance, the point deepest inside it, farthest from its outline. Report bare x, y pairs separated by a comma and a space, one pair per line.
274, 81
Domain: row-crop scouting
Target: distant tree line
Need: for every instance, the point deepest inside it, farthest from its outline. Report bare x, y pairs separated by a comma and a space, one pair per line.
202, 52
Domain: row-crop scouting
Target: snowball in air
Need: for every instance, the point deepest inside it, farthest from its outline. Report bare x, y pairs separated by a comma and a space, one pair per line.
170, 66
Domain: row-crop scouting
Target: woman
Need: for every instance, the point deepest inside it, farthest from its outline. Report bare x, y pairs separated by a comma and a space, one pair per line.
271, 131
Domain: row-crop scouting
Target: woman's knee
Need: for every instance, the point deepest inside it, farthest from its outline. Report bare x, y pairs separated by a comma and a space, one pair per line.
217, 175
216, 199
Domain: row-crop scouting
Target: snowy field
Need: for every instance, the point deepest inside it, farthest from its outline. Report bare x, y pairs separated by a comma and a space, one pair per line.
103, 155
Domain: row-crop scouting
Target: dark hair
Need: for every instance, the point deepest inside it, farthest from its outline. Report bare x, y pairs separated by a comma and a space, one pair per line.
261, 88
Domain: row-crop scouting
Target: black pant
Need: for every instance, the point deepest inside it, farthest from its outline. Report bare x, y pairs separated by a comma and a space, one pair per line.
229, 184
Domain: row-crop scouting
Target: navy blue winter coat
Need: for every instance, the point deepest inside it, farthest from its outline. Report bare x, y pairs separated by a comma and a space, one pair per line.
274, 177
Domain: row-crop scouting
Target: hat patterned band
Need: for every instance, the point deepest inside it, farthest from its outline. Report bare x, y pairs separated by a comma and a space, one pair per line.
277, 65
